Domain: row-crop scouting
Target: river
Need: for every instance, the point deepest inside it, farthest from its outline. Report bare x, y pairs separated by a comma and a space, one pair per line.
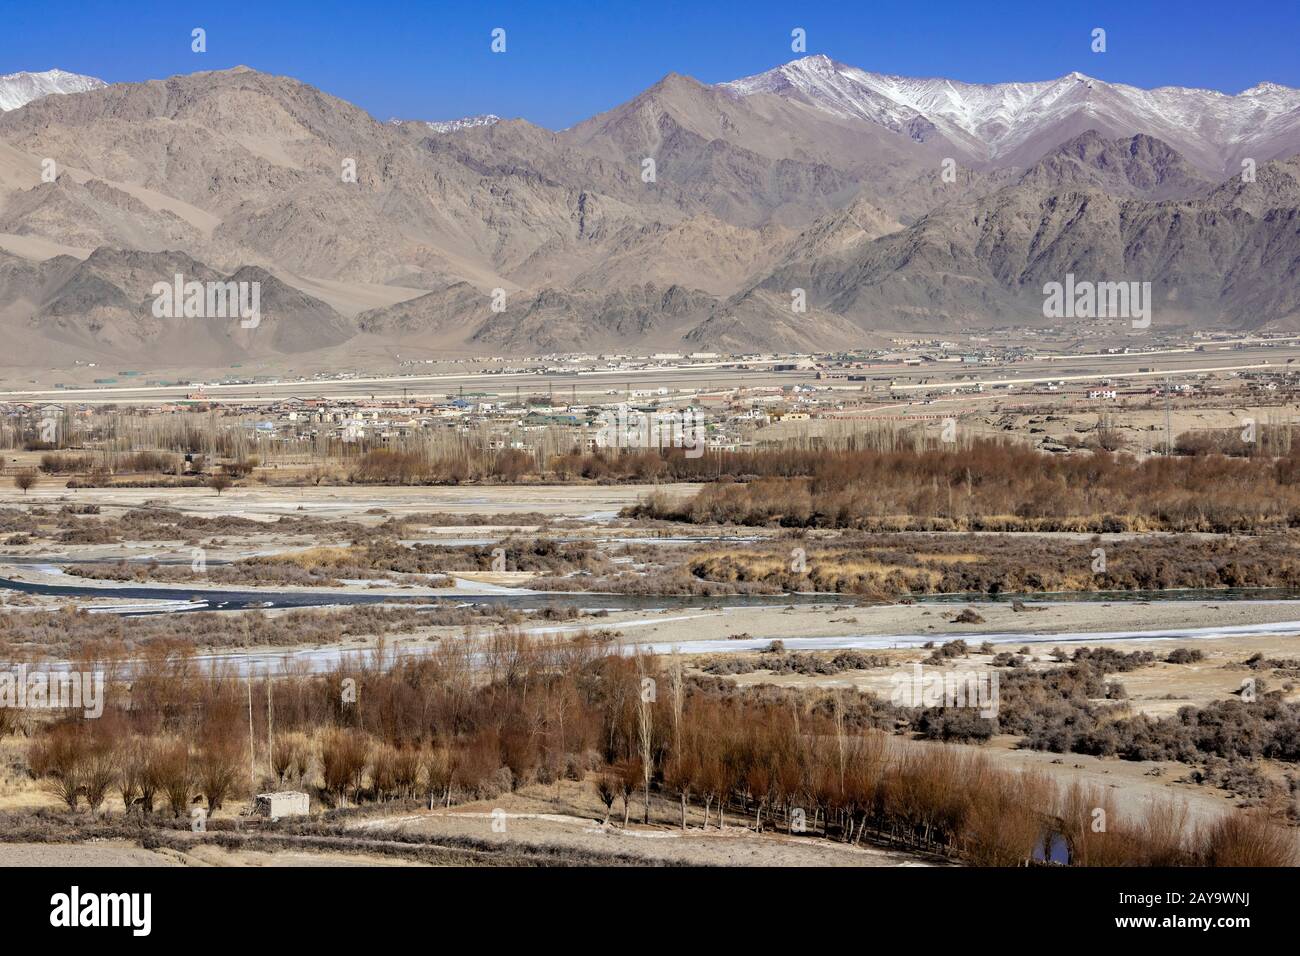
202, 599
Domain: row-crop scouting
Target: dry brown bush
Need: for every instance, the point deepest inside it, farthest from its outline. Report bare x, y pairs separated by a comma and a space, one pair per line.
218, 765
58, 760
290, 757
344, 756
991, 485
172, 767
1246, 839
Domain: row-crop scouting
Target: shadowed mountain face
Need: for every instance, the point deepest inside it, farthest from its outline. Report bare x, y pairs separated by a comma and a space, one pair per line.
1230, 257
1140, 168
684, 217
109, 306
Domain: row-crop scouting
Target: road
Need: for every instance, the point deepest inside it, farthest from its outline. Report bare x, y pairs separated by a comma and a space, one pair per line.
598, 385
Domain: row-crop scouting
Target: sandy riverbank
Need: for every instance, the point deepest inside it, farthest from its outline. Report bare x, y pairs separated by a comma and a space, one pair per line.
352, 501
911, 625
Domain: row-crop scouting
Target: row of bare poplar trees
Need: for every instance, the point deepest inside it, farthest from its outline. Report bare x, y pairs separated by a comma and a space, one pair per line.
483, 715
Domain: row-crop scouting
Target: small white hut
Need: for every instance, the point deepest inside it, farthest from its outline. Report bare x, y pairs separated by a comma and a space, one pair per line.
282, 803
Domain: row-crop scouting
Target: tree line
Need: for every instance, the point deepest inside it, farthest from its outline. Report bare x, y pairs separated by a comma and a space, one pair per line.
475, 719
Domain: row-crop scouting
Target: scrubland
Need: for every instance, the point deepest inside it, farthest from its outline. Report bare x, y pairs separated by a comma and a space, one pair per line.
651, 739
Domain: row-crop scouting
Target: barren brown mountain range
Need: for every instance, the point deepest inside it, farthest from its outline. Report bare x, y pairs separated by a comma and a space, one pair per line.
890, 209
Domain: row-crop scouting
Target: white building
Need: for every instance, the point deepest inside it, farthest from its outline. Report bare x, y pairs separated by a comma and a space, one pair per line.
282, 803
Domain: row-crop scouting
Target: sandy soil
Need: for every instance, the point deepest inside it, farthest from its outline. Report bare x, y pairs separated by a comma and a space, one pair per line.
918, 623
119, 853
108, 853
1158, 690
208, 855
567, 814
267, 503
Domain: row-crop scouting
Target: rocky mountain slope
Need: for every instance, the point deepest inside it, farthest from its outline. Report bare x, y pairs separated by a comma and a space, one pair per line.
1014, 123
683, 217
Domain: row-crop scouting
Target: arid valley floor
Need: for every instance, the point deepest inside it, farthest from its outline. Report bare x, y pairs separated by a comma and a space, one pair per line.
562, 818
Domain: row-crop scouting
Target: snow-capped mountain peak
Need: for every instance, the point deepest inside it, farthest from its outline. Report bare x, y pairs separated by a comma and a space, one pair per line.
1007, 121
19, 89
1261, 89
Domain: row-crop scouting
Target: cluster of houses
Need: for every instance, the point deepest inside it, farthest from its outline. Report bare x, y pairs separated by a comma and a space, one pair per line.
727, 418
832, 385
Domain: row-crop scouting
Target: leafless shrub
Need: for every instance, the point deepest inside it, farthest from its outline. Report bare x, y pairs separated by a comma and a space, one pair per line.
172, 766
1246, 839
217, 765
344, 755
58, 758
290, 757
25, 480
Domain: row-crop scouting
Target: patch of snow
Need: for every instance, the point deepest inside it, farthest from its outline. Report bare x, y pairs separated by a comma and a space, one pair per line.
19, 89
995, 118
451, 126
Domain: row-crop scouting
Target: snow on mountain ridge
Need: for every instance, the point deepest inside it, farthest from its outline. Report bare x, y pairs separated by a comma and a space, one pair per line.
994, 120
19, 89
451, 126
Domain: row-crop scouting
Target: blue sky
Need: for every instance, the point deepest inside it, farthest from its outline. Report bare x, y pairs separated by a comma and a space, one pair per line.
566, 61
